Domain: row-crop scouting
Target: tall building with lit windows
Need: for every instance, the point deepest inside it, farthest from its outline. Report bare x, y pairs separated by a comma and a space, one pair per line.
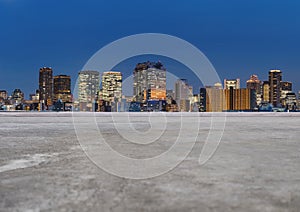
216, 99
243, 99
62, 88
275, 79
88, 86
112, 86
149, 82
46, 86
266, 92
255, 84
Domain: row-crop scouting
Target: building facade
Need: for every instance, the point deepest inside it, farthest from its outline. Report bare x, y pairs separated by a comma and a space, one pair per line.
275, 79
112, 86
290, 101
255, 84
286, 87
183, 95
217, 99
88, 86
149, 82
46, 86
243, 99
62, 88
266, 92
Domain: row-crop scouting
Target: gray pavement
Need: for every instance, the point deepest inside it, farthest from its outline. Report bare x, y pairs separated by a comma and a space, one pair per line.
255, 168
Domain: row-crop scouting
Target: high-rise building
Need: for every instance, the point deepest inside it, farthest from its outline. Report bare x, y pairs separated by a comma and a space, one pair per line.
149, 82
46, 86
232, 83
202, 99
275, 79
266, 92
62, 88
112, 86
243, 99
183, 94
88, 86
215, 98
255, 84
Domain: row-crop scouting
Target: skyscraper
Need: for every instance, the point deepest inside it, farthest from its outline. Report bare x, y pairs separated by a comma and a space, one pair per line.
266, 91
88, 86
46, 86
232, 83
215, 98
62, 88
275, 78
255, 84
149, 82
183, 94
112, 86
202, 106
243, 99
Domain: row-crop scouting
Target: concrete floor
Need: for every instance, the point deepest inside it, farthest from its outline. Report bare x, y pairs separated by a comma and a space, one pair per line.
255, 168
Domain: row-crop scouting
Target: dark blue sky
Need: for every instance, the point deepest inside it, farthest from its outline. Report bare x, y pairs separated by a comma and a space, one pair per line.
240, 38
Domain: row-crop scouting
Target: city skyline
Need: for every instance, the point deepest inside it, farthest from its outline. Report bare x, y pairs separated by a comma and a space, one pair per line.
150, 93
239, 39
196, 87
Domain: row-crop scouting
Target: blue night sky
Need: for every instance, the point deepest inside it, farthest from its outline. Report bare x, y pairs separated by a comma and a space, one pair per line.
240, 38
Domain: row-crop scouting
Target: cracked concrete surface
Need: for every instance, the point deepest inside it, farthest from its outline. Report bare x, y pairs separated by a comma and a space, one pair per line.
256, 168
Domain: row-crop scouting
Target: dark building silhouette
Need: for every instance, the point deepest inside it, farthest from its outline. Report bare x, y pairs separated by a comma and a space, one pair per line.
62, 88
286, 86
275, 78
202, 107
46, 86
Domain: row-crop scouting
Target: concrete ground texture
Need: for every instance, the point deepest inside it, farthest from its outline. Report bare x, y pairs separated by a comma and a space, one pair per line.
256, 166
